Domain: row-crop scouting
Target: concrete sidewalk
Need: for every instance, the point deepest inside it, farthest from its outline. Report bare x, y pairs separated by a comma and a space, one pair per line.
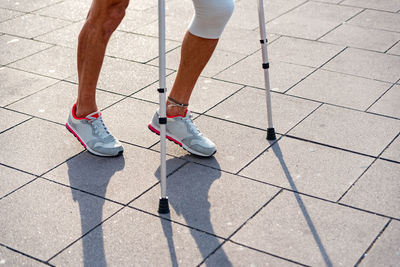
327, 193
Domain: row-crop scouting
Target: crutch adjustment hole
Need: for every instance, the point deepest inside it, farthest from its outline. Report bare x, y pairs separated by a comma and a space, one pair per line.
162, 90
264, 41
162, 120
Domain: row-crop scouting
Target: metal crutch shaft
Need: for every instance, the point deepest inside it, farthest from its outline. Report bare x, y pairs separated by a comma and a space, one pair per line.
270, 130
163, 204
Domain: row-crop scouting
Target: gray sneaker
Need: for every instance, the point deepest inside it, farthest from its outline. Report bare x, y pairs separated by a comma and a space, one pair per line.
182, 131
93, 134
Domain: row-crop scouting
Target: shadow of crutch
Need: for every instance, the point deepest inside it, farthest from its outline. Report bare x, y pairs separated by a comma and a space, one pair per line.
278, 153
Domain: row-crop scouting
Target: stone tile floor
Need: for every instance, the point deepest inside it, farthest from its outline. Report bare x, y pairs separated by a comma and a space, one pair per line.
326, 193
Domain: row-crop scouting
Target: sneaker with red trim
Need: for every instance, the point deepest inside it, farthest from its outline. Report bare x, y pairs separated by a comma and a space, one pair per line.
93, 134
182, 131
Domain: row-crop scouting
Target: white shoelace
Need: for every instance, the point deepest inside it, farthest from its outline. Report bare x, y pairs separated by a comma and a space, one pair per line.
99, 127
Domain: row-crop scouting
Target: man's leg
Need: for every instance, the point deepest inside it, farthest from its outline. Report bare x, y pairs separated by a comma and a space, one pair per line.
84, 120
197, 47
103, 18
195, 53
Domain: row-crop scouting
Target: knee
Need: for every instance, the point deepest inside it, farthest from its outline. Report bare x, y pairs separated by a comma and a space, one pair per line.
211, 17
113, 16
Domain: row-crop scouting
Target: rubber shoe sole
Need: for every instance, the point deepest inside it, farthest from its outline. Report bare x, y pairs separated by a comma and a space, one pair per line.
174, 139
88, 148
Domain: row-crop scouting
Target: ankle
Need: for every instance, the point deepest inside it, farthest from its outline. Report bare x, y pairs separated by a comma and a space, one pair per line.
82, 111
176, 111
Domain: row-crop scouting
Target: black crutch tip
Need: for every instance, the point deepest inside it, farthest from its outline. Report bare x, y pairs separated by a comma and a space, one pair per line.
271, 134
163, 207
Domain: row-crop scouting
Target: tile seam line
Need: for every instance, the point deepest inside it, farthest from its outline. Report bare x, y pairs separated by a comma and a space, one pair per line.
25, 254
341, 23
268, 253
318, 198
242, 225
50, 5
20, 187
369, 8
362, 174
16, 125
176, 222
284, 13
386, 52
379, 98
273, 142
35, 53
19, 15
372, 244
85, 234
35, 73
316, 69
24, 97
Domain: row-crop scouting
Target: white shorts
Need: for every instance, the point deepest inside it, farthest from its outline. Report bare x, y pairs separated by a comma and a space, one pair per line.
210, 17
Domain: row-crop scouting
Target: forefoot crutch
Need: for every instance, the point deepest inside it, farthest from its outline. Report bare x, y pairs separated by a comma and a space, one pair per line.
163, 205
270, 130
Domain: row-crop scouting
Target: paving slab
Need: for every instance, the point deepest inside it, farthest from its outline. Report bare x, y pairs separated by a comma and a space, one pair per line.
385, 251
395, 50
31, 25
203, 198
124, 77
311, 20
249, 72
62, 68
10, 118
360, 37
311, 231
308, 168
231, 254
136, 47
237, 145
37, 146
54, 103
393, 151
16, 84
178, 14
128, 121
135, 19
368, 64
120, 179
58, 215
206, 93
388, 104
377, 195
143, 5
6, 14
287, 110
219, 61
72, 10
340, 89
11, 258
377, 20
348, 129
386, 5
302, 52
66, 36
15, 48
242, 41
135, 238
272, 9
11, 179
27, 5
